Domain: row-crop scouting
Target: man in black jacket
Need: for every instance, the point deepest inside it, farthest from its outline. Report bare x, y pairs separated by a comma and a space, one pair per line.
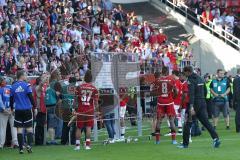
197, 107
236, 99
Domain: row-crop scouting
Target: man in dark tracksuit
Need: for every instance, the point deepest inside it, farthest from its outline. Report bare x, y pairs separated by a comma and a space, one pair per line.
197, 107
236, 99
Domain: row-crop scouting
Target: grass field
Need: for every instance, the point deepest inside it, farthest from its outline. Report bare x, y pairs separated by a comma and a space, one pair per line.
143, 149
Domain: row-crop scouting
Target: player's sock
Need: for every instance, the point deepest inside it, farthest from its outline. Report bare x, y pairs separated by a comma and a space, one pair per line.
88, 142
77, 142
157, 137
173, 135
168, 123
122, 132
30, 138
20, 141
157, 134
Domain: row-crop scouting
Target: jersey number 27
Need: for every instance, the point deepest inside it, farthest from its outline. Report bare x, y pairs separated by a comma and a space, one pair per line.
86, 95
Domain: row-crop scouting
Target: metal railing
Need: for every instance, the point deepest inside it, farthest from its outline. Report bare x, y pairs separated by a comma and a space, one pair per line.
184, 10
150, 65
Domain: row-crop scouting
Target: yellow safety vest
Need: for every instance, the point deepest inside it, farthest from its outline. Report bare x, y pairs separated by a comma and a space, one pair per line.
208, 89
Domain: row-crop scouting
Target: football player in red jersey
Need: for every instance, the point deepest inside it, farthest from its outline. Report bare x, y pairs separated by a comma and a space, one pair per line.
177, 100
164, 89
87, 97
184, 96
122, 110
184, 99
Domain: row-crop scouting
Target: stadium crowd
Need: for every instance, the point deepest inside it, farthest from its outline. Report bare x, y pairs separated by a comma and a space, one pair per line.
53, 40
224, 14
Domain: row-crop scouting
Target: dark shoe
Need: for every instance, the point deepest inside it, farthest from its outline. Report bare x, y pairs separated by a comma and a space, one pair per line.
181, 146
29, 149
216, 143
227, 128
52, 143
153, 134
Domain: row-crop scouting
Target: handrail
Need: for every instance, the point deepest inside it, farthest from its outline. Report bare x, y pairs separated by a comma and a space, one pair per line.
228, 37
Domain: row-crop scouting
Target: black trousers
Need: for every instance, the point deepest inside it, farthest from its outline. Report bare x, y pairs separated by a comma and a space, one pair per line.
237, 116
200, 109
209, 108
39, 130
65, 134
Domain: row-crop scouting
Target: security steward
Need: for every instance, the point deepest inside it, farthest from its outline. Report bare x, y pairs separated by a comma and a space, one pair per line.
197, 107
208, 81
220, 88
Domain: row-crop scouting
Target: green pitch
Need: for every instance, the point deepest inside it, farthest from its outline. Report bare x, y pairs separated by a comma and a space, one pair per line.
143, 149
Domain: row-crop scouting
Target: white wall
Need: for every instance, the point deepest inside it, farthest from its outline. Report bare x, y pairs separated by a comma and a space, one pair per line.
128, 1
211, 52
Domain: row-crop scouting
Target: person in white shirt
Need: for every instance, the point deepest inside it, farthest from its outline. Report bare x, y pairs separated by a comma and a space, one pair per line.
166, 61
215, 11
218, 23
78, 32
96, 28
146, 31
230, 19
229, 23
147, 52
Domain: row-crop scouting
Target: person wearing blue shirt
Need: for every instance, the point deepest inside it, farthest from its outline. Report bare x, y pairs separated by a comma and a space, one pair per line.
22, 100
6, 114
220, 88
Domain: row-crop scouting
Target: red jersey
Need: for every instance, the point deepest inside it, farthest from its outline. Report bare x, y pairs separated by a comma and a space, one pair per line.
161, 38
124, 101
178, 85
153, 39
165, 86
185, 91
105, 29
87, 94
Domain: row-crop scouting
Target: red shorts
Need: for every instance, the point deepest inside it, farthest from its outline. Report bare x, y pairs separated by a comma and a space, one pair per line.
84, 120
163, 110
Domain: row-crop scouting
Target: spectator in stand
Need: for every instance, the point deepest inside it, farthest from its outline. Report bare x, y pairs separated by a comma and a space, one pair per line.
207, 15
162, 38
218, 24
146, 31
107, 6
215, 10
236, 30
229, 22
154, 38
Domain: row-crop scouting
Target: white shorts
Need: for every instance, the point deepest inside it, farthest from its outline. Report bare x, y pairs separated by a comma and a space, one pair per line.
122, 111
176, 107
